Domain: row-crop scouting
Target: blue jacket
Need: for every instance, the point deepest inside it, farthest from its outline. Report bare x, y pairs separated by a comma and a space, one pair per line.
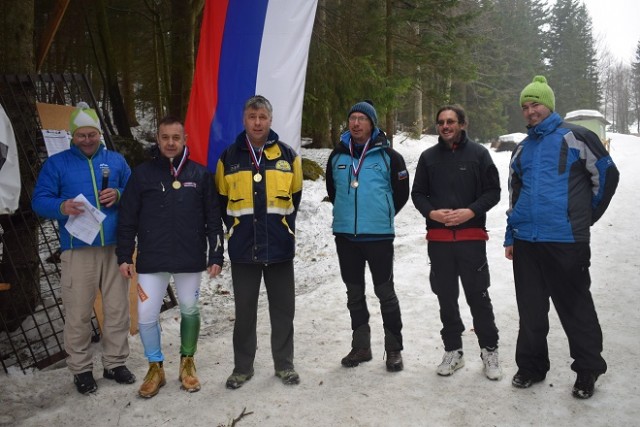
366, 212
70, 173
561, 180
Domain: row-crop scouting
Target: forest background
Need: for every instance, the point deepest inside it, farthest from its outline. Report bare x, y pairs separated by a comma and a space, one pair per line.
408, 56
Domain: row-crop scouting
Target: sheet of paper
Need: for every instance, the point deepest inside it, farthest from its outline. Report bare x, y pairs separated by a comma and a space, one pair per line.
56, 140
86, 225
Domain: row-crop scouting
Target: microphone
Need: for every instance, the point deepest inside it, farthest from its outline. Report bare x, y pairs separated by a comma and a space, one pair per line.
105, 178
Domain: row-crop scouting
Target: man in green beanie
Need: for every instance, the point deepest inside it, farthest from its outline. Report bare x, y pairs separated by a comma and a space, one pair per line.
561, 180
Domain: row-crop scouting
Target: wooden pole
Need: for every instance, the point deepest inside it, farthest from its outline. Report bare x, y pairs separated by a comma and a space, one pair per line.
50, 31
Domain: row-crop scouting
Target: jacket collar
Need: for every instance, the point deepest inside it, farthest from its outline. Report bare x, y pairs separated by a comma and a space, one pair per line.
378, 139
242, 137
546, 126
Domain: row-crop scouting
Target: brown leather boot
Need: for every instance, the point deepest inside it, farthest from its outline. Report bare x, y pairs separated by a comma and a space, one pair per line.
153, 380
394, 361
188, 376
356, 356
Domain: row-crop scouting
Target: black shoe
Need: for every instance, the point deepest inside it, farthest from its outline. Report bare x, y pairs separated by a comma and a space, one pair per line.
356, 356
121, 374
394, 361
524, 379
85, 383
585, 384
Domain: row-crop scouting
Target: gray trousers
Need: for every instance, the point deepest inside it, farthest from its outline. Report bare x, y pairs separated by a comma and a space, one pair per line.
279, 281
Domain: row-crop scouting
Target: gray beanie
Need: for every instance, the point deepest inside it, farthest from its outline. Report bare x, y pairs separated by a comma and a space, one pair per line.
365, 107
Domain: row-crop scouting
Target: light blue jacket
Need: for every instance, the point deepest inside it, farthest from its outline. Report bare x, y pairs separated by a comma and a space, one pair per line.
368, 211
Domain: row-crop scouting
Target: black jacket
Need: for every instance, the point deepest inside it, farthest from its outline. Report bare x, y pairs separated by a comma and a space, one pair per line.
464, 177
172, 226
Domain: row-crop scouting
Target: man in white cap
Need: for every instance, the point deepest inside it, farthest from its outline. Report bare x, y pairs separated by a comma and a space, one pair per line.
87, 168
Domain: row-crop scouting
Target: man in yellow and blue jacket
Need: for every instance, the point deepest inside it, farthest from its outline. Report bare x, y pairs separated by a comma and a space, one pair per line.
259, 180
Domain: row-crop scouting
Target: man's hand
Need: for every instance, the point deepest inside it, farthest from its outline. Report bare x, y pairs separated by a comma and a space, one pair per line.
108, 197
214, 270
451, 217
69, 207
127, 270
508, 252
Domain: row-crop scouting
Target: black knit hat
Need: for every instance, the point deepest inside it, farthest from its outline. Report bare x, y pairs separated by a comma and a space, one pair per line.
365, 107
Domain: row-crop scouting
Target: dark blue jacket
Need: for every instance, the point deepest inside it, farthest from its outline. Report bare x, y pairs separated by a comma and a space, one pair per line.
176, 230
561, 180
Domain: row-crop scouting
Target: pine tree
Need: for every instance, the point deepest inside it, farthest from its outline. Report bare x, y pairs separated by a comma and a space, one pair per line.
571, 55
635, 88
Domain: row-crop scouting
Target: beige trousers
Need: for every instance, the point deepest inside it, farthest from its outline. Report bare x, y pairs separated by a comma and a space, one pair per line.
85, 272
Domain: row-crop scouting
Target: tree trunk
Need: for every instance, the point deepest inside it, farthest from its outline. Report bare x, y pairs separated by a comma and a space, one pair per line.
120, 118
390, 119
18, 232
183, 28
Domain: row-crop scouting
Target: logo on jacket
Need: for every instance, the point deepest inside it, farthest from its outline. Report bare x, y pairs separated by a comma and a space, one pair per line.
283, 165
403, 175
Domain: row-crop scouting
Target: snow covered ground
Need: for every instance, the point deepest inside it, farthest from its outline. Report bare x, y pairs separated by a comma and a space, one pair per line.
330, 395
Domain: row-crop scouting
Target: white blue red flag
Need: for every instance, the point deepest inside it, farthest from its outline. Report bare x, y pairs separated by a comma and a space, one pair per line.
248, 47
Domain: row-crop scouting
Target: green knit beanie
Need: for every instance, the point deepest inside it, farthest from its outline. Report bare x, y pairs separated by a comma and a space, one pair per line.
83, 116
539, 91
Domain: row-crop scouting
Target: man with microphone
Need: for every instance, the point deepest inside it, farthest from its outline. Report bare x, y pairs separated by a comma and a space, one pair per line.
88, 267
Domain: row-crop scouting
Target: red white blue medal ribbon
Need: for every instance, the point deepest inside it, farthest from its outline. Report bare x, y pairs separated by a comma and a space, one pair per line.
176, 171
356, 169
255, 160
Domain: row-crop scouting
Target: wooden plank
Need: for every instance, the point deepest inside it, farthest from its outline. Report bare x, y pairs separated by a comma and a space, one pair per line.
54, 116
133, 306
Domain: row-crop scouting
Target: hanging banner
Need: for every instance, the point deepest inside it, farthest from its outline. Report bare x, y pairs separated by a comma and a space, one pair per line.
248, 47
9, 167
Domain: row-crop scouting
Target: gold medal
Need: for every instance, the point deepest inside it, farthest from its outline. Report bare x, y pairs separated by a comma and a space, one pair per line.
355, 183
176, 185
257, 177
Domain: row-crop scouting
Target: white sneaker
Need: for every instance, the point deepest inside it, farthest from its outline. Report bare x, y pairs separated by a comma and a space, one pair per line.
491, 364
451, 362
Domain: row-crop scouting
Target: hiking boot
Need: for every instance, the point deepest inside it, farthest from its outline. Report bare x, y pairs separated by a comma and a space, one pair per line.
492, 368
237, 380
153, 380
121, 374
523, 379
187, 375
394, 361
85, 383
356, 356
288, 376
451, 362
585, 385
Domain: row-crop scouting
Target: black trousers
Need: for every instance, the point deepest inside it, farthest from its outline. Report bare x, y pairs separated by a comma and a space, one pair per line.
353, 257
279, 282
466, 261
559, 271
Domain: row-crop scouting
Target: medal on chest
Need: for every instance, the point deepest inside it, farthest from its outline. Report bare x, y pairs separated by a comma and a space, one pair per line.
255, 160
176, 171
